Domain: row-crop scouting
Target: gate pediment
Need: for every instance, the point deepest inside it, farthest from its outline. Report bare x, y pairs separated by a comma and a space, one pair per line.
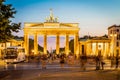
51, 25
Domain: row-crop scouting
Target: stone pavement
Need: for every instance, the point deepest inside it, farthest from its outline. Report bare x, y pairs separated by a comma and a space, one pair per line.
56, 65
81, 75
62, 74
30, 71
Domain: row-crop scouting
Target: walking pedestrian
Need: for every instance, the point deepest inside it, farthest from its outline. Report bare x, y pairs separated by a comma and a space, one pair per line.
43, 61
117, 62
97, 59
38, 60
62, 60
112, 61
83, 60
102, 63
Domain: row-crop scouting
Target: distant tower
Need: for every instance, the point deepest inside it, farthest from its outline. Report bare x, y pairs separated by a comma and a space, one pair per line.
51, 17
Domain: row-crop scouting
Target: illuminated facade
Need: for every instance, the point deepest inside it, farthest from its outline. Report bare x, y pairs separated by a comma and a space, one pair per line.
51, 27
95, 46
101, 45
114, 35
12, 42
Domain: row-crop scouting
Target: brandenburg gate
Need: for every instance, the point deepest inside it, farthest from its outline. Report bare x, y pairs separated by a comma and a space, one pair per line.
51, 27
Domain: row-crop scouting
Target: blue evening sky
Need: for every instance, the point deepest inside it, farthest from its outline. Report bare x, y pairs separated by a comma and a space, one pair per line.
93, 16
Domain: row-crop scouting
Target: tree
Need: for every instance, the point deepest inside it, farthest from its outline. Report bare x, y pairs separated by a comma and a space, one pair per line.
105, 35
71, 45
6, 26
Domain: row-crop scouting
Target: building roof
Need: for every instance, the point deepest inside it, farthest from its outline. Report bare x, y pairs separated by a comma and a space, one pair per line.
95, 39
114, 26
82, 39
100, 38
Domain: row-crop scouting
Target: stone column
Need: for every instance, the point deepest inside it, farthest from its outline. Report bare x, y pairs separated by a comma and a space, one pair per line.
80, 48
45, 44
109, 48
90, 48
96, 48
57, 43
67, 45
35, 44
103, 52
87, 48
76, 44
114, 46
0, 53
26, 44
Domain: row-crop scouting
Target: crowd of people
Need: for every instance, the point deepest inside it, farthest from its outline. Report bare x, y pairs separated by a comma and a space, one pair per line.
72, 59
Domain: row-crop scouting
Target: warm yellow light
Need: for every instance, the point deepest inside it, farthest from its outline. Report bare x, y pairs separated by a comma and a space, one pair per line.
111, 35
115, 35
32, 50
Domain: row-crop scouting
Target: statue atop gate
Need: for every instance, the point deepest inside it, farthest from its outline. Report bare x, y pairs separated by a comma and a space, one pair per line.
51, 18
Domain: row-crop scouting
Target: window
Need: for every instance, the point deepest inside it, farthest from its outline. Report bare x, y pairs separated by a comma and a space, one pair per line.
118, 37
99, 46
117, 44
19, 44
111, 32
117, 30
117, 52
2, 45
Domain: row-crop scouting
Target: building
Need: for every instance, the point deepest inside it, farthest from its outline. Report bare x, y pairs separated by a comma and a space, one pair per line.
114, 35
95, 46
106, 46
9, 43
48, 28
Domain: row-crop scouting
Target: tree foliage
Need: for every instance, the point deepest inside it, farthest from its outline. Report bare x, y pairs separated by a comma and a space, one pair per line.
31, 46
6, 26
71, 45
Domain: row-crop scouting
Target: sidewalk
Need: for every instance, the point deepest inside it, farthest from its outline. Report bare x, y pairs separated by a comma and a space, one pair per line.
30, 71
81, 75
63, 74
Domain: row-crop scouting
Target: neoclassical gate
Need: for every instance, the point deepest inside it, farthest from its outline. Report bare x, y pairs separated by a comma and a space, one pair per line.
51, 27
